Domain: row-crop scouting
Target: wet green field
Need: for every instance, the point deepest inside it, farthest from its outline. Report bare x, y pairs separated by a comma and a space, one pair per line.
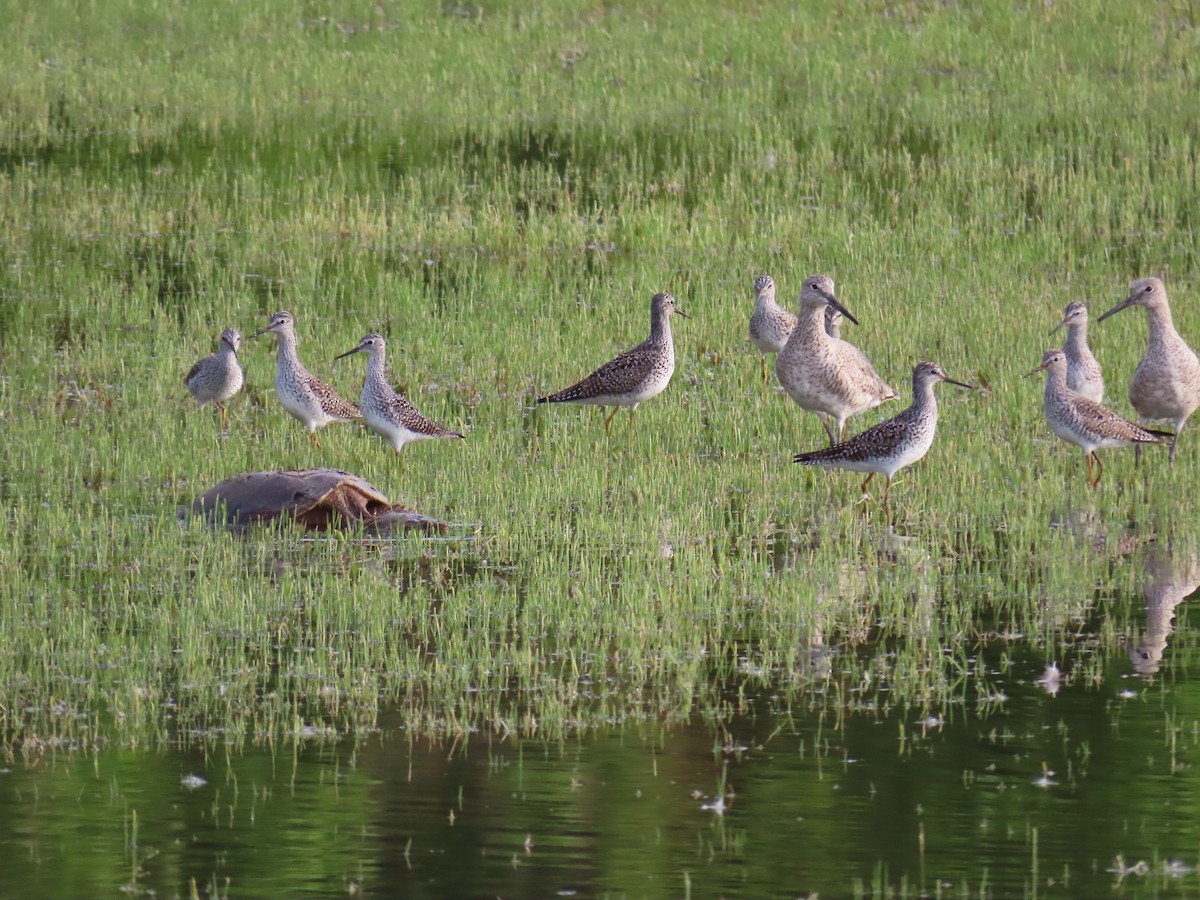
616, 632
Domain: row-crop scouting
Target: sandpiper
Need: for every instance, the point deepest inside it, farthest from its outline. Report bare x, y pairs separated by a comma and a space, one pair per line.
770, 324
218, 377
1083, 422
1166, 384
824, 375
634, 376
302, 394
1083, 372
833, 323
890, 446
389, 414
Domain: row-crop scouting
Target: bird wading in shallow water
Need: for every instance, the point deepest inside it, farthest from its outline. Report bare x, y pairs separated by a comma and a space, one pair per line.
634, 376
825, 375
218, 377
389, 414
301, 393
890, 446
1166, 384
1083, 422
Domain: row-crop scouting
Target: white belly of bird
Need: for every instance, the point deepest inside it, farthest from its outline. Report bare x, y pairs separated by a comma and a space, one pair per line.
304, 407
392, 432
650, 387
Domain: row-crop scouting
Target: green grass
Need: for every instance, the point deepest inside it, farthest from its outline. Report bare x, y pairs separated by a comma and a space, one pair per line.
499, 189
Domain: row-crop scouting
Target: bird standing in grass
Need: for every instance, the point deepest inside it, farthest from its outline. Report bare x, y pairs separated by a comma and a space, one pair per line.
634, 376
1166, 384
389, 414
301, 393
825, 375
218, 377
1083, 372
890, 446
770, 324
1083, 422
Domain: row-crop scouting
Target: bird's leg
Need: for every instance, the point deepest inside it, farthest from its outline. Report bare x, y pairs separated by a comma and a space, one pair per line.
764, 368
1099, 467
313, 439
833, 441
632, 427
1174, 441
887, 493
864, 499
608, 421
224, 414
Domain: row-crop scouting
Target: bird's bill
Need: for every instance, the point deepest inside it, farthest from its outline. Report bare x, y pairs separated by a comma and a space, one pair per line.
348, 353
1128, 301
1056, 328
680, 312
833, 301
263, 330
1041, 368
969, 387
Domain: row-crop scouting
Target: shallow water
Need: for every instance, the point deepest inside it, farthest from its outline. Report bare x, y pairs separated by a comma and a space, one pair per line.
1016, 790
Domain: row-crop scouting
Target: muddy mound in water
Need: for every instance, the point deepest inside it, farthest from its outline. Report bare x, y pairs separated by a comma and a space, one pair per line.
317, 499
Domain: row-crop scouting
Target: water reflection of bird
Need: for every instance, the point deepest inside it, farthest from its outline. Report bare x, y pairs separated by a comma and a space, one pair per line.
1051, 679
1166, 384
888, 447
1082, 422
1171, 577
1083, 372
824, 375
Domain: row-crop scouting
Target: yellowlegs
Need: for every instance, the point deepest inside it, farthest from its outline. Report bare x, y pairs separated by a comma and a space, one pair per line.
387, 413
833, 323
302, 394
1083, 422
218, 376
827, 376
771, 324
1166, 383
890, 446
1083, 372
634, 376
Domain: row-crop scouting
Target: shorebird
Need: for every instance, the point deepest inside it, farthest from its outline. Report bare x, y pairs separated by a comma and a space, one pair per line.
1166, 384
634, 376
218, 376
825, 375
302, 394
1083, 422
890, 446
833, 323
1083, 372
771, 324
388, 414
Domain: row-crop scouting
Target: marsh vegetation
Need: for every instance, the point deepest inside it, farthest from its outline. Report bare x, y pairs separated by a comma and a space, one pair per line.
666, 662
